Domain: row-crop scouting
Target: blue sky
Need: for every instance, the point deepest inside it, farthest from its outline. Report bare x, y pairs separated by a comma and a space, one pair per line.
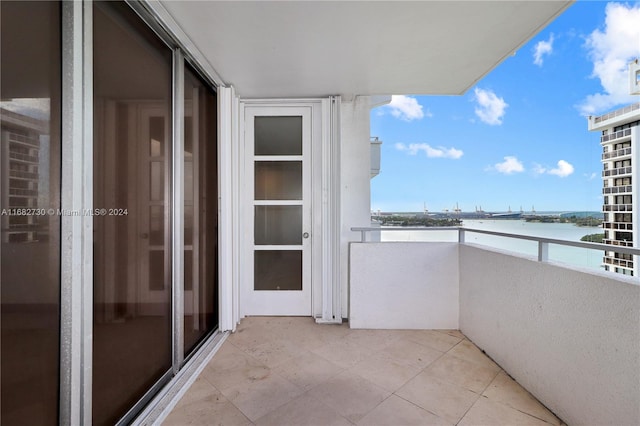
519, 137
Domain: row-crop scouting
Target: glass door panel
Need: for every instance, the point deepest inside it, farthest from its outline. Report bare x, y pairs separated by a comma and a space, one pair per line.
200, 212
30, 166
132, 268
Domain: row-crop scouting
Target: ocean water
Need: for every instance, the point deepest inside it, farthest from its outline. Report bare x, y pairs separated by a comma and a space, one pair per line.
561, 231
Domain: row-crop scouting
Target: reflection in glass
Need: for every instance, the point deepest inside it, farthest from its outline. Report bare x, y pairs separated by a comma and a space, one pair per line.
200, 212
280, 135
278, 225
132, 311
30, 244
277, 270
278, 180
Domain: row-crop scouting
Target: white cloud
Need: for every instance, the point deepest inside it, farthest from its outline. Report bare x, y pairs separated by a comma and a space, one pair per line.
541, 49
564, 169
509, 166
611, 49
406, 108
538, 169
490, 107
440, 152
591, 176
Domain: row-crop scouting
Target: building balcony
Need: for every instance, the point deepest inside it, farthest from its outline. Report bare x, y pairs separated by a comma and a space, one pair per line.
291, 371
613, 136
617, 189
538, 343
618, 262
599, 120
617, 172
617, 208
618, 225
618, 243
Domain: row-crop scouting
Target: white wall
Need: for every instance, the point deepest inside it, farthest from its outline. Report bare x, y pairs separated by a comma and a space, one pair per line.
355, 168
571, 338
404, 285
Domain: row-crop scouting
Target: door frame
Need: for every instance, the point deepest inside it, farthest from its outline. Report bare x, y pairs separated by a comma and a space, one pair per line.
326, 263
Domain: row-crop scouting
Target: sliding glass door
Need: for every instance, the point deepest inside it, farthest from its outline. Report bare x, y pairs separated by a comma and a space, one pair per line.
200, 211
132, 239
134, 187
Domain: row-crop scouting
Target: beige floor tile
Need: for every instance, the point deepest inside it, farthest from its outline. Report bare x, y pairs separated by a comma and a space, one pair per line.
446, 400
308, 370
375, 340
255, 399
250, 333
231, 367
460, 372
505, 390
395, 411
303, 411
205, 405
387, 373
486, 412
350, 395
275, 352
433, 339
470, 352
344, 353
454, 333
411, 353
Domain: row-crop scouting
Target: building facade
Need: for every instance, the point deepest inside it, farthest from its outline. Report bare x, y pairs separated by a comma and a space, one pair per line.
620, 159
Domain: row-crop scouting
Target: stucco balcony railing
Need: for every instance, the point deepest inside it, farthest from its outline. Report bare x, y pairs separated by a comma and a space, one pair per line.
568, 334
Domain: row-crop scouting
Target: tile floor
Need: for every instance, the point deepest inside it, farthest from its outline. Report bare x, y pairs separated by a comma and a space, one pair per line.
290, 371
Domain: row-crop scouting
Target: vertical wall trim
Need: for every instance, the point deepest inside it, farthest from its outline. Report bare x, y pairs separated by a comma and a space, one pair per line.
177, 261
76, 243
225, 205
235, 175
331, 301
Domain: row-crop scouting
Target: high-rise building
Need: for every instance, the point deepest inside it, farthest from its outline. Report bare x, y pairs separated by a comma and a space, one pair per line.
620, 141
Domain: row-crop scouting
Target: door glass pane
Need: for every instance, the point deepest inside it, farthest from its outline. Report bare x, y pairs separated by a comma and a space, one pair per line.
278, 180
132, 309
278, 225
277, 270
29, 240
278, 135
201, 212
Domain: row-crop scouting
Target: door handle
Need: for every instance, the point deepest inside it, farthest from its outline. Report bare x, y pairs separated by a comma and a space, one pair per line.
305, 235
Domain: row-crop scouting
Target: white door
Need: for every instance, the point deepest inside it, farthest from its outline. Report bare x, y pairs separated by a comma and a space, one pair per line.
278, 221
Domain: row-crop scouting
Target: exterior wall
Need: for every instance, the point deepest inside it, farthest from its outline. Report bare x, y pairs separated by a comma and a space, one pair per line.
569, 337
355, 168
404, 285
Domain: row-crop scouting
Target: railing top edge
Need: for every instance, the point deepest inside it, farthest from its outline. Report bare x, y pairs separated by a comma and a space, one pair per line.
580, 244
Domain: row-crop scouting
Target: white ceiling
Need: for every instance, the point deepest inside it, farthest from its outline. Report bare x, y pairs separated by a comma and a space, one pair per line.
319, 48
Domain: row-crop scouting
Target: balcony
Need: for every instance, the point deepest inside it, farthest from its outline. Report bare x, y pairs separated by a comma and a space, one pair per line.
616, 113
613, 136
538, 343
618, 225
617, 172
617, 208
291, 371
617, 189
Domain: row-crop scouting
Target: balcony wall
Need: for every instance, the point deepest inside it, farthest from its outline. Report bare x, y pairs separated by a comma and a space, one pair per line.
404, 285
569, 336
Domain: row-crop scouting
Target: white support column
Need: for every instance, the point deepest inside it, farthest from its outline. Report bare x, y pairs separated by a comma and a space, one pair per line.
331, 289
228, 281
76, 242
